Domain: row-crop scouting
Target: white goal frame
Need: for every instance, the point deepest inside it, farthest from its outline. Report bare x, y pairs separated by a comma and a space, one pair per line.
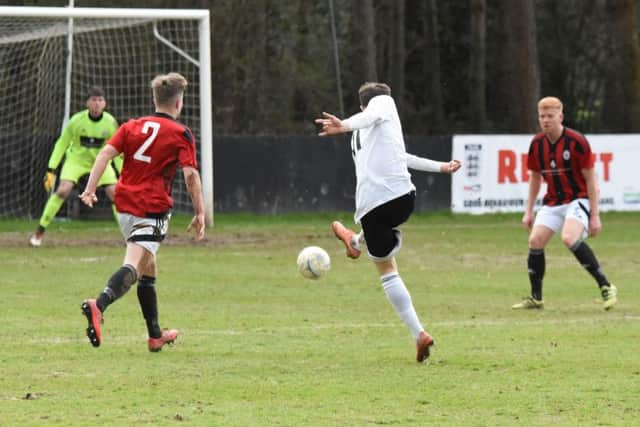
204, 63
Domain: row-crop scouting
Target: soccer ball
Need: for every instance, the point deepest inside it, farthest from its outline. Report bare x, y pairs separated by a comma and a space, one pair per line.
313, 262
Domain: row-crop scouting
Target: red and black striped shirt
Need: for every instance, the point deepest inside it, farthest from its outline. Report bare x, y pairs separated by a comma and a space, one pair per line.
560, 163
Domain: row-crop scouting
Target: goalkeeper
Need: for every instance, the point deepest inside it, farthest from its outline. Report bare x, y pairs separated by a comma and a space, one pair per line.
80, 142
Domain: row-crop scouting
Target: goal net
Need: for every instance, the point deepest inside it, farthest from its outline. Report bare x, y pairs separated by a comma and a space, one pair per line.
120, 50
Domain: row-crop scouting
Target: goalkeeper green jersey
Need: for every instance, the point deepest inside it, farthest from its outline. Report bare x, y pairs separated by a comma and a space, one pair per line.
82, 138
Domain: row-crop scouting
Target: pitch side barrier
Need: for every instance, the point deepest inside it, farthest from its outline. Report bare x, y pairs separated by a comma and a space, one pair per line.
281, 174
495, 177
258, 174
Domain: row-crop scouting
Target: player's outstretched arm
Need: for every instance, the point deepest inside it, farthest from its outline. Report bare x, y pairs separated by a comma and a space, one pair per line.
428, 165
451, 166
194, 187
105, 156
331, 125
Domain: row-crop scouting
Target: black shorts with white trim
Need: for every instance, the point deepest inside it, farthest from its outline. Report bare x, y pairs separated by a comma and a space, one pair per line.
379, 224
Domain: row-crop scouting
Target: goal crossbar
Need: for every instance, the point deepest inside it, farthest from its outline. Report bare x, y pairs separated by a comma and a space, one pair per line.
102, 12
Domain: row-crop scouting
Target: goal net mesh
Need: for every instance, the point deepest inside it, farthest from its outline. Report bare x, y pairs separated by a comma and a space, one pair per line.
120, 55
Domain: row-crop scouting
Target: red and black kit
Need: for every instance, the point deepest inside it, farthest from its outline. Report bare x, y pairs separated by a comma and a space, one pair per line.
561, 163
153, 147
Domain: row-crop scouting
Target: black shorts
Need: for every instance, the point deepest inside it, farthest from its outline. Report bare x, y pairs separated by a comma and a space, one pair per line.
379, 224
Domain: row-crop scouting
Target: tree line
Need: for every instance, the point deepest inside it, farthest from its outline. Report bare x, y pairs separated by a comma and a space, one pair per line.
460, 66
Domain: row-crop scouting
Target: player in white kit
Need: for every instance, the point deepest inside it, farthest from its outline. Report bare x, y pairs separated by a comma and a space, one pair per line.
385, 195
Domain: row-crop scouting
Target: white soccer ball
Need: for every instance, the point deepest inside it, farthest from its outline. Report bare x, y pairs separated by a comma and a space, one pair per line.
313, 262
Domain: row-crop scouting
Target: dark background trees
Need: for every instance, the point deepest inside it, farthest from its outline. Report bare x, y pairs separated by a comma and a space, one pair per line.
461, 66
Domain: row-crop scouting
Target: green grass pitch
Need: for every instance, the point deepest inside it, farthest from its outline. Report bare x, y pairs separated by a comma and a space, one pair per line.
261, 346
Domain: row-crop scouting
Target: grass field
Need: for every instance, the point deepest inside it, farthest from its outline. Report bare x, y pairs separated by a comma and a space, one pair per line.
260, 346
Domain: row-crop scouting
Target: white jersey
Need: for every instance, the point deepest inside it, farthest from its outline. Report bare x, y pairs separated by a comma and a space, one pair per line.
379, 154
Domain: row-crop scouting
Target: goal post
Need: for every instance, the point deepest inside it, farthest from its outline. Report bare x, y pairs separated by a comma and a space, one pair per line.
118, 49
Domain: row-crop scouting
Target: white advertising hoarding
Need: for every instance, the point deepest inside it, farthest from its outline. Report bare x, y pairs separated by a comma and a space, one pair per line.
494, 175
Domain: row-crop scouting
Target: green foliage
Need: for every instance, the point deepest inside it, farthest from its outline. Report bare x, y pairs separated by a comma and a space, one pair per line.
274, 68
259, 345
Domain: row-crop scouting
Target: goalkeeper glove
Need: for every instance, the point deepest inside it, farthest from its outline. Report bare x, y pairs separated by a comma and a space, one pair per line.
49, 180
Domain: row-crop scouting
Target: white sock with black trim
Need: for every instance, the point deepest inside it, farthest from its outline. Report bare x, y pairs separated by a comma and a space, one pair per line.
400, 300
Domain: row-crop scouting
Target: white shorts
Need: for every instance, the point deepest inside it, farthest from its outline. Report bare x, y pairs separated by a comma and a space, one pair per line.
553, 217
146, 232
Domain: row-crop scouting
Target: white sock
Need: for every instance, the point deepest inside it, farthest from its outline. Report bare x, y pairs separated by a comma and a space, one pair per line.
400, 300
357, 240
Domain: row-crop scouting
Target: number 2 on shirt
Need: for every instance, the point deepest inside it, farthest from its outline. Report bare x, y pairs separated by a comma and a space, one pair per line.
139, 154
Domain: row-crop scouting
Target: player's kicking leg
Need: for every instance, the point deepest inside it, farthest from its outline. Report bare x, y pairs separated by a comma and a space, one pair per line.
348, 237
